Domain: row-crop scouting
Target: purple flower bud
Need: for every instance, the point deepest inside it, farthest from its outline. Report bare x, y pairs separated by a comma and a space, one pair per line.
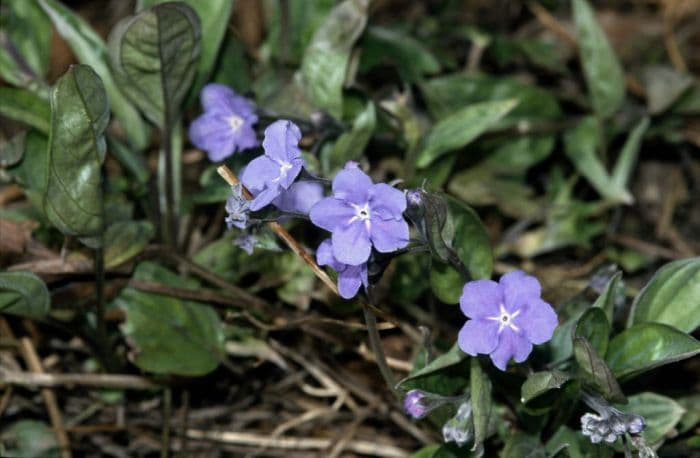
636, 425
415, 404
245, 243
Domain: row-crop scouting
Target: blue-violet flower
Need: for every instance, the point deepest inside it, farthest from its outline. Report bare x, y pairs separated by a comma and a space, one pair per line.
360, 215
300, 197
226, 126
507, 318
267, 176
350, 278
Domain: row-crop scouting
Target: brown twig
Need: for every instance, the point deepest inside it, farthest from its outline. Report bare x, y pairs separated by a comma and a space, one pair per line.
34, 364
43, 380
199, 295
551, 23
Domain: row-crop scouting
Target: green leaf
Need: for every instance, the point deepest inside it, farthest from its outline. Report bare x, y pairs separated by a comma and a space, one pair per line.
30, 439
154, 55
31, 171
131, 160
24, 294
691, 405
481, 404
595, 328
595, 372
461, 127
664, 86
72, 199
606, 300
628, 156
521, 445
602, 70
326, 59
661, 414
645, 346
411, 58
29, 30
214, 17
426, 452
169, 335
540, 383
12, 150
671, 297
25, 106
91, 50
466, 237
581, 145
351, 145
126, 239
576, 445
448, 94
452, 357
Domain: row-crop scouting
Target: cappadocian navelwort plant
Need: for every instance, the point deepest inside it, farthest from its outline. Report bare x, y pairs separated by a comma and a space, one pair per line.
361, 200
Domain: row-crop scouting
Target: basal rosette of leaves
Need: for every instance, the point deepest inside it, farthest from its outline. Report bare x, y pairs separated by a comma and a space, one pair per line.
432, 199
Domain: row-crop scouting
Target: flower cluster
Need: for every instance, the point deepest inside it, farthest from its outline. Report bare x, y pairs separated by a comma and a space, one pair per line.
507, 318
460, 428
610, 423
360, 215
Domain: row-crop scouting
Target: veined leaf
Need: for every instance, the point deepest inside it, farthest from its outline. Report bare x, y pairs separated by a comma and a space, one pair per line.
595, 371
661, 414
91, 50
481, 404
214, 17
29, 30
72, 199
23, 294
155, 58
169, 335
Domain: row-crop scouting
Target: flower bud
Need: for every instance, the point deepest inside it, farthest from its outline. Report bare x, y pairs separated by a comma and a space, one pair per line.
416, 404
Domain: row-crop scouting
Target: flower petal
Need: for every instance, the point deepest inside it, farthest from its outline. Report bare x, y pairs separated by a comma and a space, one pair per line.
300, 197
330, 213
386, 200
246, 137
478, 336
266, 196
351, 243
259, 173
388, 235
282, 140
219, 98
510, 345
349, 282
518, 289
353, 185
481, 299
538, 320
212, 134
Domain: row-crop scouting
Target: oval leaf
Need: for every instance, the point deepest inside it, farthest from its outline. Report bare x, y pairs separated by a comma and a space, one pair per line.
662, 414
25, 106
594, 327
458, 129
24, 294
602, 70
90, 49
452, 357
481, 404
169, 335
595, 372
79, 114
607, 299
671, 297
126, 239
648, 345
155, 55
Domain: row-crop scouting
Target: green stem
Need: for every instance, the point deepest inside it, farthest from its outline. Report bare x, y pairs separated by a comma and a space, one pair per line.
375, 343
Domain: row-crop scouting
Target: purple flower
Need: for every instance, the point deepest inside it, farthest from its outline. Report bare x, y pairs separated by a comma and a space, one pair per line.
226, 126
300, 197
350, 278
245, 242
267, 176
360, 215
414, 404
506, 318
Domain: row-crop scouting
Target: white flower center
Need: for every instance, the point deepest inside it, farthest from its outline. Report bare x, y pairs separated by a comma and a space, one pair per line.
505, 319
362, 213
235, 122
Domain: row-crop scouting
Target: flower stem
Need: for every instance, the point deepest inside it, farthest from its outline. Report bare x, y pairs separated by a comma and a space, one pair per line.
368, 308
